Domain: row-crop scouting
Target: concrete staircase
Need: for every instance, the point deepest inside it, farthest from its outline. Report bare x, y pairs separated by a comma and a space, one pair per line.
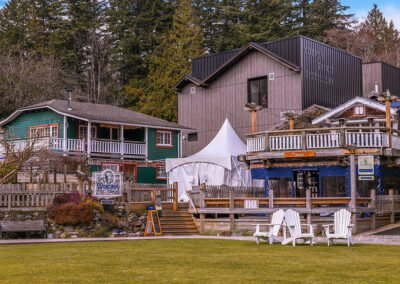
178, 222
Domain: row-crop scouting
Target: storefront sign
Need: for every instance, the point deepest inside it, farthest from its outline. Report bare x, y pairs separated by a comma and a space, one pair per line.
299, 154
366, 165
366, 177
107, 184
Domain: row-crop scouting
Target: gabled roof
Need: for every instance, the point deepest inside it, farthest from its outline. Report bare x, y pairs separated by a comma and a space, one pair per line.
243, 52
349, 104
99, 113
304, 120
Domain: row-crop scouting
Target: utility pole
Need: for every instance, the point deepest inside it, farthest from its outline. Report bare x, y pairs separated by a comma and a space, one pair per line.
253, 108
388, 98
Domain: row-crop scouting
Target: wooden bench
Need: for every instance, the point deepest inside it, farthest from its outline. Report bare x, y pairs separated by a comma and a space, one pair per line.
23, 226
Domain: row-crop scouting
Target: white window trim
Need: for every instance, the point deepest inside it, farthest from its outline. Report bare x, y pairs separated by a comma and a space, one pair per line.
163, 144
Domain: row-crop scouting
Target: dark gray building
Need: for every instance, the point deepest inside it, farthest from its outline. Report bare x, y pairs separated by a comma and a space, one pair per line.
285, 75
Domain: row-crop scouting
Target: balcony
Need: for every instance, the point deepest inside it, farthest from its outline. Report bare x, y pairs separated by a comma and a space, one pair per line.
97, 147
319, 139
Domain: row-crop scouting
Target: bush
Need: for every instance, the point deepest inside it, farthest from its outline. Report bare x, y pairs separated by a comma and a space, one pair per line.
74, 214
64, 198
100, 232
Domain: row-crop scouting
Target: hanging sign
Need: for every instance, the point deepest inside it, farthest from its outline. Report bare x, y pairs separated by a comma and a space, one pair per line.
366, 165
153, 226
107, 184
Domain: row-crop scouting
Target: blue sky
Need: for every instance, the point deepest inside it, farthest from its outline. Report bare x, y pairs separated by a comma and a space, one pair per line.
390, 8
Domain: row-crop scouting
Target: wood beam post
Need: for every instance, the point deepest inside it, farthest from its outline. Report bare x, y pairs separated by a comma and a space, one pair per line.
271, 199
373, 205
231, 207
65, 128
391, 197
89, 138
308, 204
122, 142
253, 121
353, 182
388, 122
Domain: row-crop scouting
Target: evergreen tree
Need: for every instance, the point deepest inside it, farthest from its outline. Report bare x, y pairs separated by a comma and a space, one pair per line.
171, 61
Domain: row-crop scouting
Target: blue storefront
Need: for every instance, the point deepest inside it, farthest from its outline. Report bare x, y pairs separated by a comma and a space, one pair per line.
327, 181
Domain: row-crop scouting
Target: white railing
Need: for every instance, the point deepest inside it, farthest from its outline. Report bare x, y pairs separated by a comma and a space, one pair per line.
105, 147
256, 144
77, 145
287, 142
367, 139
323, 140
134, 148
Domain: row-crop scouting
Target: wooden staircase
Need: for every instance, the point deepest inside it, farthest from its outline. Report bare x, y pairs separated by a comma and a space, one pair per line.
178, 222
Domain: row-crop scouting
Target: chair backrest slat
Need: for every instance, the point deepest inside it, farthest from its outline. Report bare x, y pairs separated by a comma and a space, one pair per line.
292, 219
277, 218
341, 221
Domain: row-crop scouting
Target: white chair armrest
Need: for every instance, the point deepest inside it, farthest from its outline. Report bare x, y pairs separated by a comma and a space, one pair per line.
327, 225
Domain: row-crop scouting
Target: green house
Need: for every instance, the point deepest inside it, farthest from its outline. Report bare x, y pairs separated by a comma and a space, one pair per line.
110, 137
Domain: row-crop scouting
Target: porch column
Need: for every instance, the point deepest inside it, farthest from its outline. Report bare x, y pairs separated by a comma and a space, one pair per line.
122, 142
65, 134
353, 191
89, 138
146, 140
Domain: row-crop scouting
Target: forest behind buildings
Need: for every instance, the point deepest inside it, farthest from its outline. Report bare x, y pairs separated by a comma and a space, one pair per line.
131, 53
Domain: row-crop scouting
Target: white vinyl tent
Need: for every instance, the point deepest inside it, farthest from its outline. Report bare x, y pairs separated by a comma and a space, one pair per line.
216, 164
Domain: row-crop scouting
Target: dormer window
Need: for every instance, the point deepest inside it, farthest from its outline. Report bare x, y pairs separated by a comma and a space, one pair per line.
359, 111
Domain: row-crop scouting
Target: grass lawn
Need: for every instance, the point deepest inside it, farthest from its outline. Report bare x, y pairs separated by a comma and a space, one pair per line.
197, 261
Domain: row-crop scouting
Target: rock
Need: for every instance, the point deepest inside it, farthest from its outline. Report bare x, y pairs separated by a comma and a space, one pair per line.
137, 223
64, 235
28, 217
69, 229
36, 214
74, 236
20, 217
142, 218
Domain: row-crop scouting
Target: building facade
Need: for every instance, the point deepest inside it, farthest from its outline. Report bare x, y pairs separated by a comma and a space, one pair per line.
107, 136
286, 75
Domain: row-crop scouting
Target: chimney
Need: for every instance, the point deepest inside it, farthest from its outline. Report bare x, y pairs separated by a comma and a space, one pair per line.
69, 98
376, 87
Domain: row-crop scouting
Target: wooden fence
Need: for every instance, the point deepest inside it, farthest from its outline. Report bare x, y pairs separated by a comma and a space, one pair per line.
26, 200
223, 200
139, 196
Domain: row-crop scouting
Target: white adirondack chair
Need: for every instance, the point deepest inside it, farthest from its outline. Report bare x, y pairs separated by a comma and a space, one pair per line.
292, 220
342, 229
274, 227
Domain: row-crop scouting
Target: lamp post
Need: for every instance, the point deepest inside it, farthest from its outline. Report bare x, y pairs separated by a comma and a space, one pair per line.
253, 108
388, 98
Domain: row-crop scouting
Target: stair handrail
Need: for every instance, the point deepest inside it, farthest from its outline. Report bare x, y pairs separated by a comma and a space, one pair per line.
191, 202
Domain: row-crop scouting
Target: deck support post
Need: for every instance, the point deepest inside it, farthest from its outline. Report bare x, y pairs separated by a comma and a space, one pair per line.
391, 197
373, 206
353, 191
271, 199
231, 207
175, 205
89, 138
308, 204
122, 142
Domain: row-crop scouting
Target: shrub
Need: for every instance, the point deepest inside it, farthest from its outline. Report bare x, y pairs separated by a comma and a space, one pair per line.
73, 197
73, 214
100, 232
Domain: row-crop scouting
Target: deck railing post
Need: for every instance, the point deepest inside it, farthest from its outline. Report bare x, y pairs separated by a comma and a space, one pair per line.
266, 142
308, 204
175, 187
391, 198
372, 205
202, 206
303, 140
271, 199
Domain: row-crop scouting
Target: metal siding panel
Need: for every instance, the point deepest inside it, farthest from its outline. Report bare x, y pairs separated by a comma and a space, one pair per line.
391, 79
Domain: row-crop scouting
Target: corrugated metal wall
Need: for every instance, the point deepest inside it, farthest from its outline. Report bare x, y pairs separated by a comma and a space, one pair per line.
330, 76
391, 79
288, 48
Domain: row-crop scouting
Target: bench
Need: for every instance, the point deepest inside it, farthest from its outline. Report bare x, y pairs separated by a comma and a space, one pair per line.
23, 226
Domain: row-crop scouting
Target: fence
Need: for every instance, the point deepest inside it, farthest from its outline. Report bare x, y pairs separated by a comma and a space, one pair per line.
139, 196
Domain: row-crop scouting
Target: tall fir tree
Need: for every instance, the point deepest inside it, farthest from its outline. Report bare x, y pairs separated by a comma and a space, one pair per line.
171, 61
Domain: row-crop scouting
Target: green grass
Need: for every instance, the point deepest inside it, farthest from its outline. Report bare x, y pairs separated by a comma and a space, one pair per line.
197, 261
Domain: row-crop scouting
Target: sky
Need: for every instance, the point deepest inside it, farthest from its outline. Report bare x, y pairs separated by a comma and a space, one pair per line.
360, 8
390, 8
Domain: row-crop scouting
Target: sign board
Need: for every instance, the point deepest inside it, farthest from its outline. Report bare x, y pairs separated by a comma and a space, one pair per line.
153, 225
366, 165
299, 154
366, 177
107, 184
107, 202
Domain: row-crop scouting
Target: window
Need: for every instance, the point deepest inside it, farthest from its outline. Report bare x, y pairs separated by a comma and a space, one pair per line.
113, 167
160, 172
164, 138
192, 136
50, 130
83, 132
257, 91
359, 110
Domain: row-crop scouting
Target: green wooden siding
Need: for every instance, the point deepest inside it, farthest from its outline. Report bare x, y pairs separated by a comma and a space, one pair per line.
148, 175
162, 153
19, 127
72, 130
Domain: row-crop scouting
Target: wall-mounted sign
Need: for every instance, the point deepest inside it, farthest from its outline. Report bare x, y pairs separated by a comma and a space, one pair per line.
107, 184
299, 154
366, 165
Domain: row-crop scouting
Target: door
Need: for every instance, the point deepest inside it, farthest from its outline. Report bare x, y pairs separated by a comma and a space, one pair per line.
304, 180
130, 172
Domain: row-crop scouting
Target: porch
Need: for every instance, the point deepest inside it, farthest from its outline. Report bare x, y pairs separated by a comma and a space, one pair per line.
321, 139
